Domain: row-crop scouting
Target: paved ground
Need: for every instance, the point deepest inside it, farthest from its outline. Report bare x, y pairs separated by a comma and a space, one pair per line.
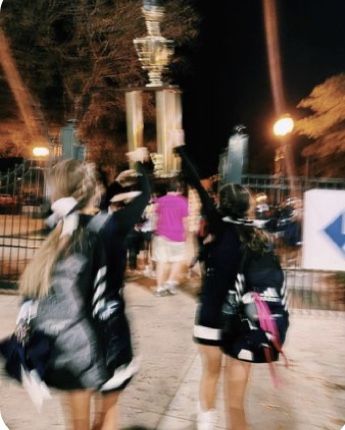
163, 395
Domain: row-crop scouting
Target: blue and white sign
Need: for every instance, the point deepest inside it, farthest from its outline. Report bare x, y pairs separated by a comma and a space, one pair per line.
336, 232
324, 230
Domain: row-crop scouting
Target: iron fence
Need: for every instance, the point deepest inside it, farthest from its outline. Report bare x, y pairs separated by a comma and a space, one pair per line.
308, 289
22, 201
315, 290
278, 188
23, 208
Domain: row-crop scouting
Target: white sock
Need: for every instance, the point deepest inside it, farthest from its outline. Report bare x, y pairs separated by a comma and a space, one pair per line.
172, 283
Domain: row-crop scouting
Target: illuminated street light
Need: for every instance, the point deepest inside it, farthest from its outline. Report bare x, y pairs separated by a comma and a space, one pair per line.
40, 151
283, 126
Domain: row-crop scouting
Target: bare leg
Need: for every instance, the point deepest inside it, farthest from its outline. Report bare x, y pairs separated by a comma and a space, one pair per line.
147, 252
98, 411
211, 357
235, 384
162, 270
150, 264
154, 267
106, 412
175, 272
79, 406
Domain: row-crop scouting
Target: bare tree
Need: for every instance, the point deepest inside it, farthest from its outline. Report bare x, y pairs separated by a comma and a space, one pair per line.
74, 56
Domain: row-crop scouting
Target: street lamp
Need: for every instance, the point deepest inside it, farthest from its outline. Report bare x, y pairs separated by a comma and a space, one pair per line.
40, 151
282, 128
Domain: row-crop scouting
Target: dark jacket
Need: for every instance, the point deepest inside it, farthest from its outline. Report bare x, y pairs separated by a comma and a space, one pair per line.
83, 314
222, 256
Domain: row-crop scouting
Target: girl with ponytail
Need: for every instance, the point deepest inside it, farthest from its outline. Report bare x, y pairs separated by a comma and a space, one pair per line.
69, 288
228, 234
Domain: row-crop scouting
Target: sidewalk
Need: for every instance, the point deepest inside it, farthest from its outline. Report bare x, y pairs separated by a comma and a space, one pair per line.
164, 394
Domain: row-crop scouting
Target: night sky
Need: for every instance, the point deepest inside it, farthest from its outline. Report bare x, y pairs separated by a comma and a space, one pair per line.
229, 79
230, 84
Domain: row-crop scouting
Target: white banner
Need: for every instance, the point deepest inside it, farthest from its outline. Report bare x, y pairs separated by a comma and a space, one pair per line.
324, 230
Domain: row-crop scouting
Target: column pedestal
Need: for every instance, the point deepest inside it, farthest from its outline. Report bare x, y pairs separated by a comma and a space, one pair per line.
168, 119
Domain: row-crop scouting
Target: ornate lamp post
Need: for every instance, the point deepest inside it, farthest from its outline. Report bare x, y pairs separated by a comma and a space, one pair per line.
154, 50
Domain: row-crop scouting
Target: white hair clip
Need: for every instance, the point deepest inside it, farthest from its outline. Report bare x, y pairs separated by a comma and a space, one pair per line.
64, 209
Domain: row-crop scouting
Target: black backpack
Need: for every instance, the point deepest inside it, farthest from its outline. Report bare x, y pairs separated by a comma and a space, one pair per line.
261, 272
257, 308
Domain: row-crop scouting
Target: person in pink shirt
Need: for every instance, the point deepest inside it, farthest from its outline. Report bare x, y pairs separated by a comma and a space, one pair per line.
169, 243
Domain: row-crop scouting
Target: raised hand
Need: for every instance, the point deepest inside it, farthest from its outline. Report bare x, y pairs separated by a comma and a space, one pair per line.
126, 175
177, 138
138, 155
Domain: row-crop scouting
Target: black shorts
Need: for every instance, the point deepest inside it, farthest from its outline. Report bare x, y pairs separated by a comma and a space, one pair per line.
207, 325
208, 318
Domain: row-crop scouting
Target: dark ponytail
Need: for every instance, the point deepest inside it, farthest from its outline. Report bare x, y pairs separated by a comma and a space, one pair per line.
234, 201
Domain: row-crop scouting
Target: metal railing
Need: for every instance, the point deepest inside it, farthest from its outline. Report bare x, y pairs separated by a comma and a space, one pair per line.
22, 196
308, 289
315, 290
278, 188
22, 208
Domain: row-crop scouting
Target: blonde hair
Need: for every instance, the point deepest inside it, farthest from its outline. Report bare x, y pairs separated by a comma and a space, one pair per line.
68, 178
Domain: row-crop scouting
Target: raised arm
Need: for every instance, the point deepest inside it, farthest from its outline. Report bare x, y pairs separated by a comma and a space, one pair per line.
193, 178
126, 218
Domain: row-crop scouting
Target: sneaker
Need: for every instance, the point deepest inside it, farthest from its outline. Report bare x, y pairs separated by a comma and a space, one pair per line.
171, 288
161, 292
3, 426
206, 419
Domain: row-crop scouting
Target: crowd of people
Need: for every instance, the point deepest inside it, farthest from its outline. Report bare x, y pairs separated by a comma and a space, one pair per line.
79, 339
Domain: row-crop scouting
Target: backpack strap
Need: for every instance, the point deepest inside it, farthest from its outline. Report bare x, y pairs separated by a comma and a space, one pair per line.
268, 324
